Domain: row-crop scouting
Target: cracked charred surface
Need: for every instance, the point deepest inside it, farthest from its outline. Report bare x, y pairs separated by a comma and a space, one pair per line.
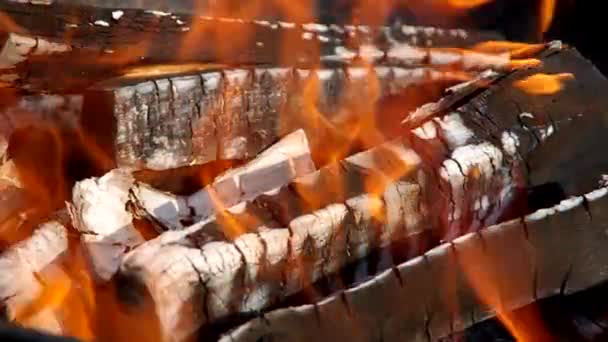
233, 114
558, 250
456, 173
72, 34
400, 304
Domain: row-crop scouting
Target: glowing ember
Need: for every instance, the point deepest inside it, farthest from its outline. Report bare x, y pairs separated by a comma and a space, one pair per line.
543, 84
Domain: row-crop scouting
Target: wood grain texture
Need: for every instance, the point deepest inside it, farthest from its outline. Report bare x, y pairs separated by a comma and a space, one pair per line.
429, 297
333, 217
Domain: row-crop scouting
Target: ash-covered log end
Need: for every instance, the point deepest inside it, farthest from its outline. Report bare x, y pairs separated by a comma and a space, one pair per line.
99, 212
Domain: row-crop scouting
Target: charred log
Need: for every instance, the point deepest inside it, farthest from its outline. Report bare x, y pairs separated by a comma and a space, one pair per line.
235, 113
465, 176
516, 261
525, 247
119, 35
273, 168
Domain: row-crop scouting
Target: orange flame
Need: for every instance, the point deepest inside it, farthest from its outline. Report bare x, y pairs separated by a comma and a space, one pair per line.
467, 4
543, 84
547, 10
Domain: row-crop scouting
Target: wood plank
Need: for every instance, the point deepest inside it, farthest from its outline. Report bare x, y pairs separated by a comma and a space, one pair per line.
413, 300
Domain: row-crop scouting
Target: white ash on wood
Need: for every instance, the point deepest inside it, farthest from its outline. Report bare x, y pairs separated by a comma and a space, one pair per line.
466, 177
255, 270
99, 212
519, 262
275, 167
123, 36
24, 268
235, 113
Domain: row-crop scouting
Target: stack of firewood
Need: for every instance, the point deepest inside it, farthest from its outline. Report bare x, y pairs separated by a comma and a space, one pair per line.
307, 181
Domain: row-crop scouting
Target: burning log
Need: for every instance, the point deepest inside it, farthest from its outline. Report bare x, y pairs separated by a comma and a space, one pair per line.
235, 113
116, 36
100, 208
465, 166
24, 268
276, 166
458, 284
99, 212
520, 246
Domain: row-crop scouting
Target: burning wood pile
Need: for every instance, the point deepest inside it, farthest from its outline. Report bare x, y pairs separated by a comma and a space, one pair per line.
168, 175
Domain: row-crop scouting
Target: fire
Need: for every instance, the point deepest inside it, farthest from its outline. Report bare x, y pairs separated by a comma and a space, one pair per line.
353, 125
467, 4
68, 292
547, 10
514, 49
543, 84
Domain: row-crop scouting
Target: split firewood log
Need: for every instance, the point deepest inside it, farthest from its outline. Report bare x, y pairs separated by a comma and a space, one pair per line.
99, 211
24, 268
120, 35
466, 166
276, 166
233, 114
103, 208
453, 286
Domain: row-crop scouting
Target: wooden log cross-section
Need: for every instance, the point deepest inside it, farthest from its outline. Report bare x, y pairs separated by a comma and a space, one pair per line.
456, 173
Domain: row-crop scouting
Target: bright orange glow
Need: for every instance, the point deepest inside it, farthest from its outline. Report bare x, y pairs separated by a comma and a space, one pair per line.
50, 298
547, 10
543, 84
467, 4
165, 70
515, 49
493, 289
231, 227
